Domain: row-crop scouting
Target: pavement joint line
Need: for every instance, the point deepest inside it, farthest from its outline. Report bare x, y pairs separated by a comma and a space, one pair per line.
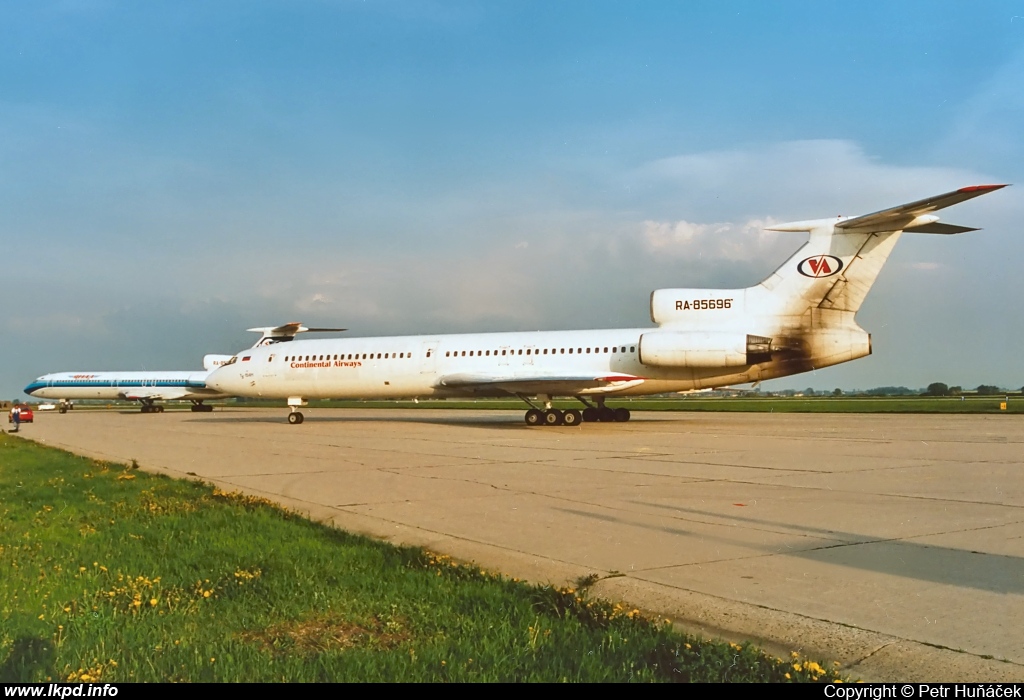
871, 493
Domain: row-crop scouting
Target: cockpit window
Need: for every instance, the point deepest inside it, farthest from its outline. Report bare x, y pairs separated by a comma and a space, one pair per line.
232, 361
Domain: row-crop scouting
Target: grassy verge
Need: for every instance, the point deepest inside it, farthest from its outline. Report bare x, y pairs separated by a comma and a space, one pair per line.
111, 574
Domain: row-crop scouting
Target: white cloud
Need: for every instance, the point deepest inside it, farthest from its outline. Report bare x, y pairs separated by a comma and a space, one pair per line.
746, 241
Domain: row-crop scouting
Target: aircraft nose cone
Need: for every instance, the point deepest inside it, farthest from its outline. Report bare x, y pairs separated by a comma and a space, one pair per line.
35, 386
215, 380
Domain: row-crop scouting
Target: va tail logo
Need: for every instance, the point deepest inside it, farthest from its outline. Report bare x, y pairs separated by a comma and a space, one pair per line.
820, 266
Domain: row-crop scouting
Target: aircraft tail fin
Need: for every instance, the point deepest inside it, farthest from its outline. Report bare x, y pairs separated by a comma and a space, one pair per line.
840, 262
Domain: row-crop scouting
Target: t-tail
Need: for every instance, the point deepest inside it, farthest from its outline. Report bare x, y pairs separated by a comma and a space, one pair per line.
802, 316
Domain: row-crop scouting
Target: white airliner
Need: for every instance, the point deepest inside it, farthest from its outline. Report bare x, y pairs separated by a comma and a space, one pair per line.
799, 319
148, 387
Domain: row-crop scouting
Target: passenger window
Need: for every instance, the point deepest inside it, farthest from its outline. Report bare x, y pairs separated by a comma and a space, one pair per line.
632, 348
570, 351
606, 349
588, 351
503, 352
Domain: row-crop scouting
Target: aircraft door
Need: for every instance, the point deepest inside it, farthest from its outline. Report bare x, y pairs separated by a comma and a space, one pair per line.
428, 357
270, 367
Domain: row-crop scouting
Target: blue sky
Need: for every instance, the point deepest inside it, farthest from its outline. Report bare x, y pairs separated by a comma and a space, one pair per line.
174, 173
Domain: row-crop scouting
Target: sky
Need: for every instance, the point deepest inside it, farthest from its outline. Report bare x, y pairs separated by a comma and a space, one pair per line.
173, 173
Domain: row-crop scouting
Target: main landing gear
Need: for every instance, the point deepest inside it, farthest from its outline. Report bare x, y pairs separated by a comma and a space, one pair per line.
150, 407
200, 407
572, 416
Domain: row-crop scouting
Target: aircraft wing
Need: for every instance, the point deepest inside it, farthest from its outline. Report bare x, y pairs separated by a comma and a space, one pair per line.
897, 218
168, 393
553, 385
156, 393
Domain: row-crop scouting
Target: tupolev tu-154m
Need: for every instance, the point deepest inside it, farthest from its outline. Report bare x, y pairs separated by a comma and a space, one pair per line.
801, 318
148, 387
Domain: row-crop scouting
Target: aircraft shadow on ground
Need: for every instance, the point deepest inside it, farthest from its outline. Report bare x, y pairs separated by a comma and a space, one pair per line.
996, 573
500, 422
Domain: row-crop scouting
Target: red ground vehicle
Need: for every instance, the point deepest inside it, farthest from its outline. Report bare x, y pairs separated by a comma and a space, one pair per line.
26, 415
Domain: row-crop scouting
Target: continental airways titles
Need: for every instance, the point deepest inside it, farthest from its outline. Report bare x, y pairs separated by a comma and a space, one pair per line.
325, 363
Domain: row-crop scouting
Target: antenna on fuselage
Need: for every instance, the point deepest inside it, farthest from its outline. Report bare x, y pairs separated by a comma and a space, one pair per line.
287, 332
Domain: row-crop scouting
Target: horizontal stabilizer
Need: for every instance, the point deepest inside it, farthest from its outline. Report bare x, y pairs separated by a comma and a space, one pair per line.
936, 227
277, 334
897, 218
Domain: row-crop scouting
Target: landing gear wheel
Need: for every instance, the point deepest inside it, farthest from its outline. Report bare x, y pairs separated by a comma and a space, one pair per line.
534, 417
295, 418
572, 417
553, 417
159, 409
591, 415
621, 415
147, 409
63, 409
607, 415
196, 408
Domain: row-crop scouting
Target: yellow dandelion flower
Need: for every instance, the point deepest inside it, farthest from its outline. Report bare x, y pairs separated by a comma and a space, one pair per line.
206, 594
787, 676
152, 601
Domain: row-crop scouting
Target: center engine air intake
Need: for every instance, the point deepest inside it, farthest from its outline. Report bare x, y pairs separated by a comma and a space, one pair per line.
703, 349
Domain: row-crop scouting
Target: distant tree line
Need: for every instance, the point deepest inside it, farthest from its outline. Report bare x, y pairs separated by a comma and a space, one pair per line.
934, 389
940, 389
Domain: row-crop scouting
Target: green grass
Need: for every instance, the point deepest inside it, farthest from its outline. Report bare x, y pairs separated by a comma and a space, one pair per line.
109, 574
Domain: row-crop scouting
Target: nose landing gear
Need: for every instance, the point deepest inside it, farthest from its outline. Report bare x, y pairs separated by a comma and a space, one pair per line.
295, 417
